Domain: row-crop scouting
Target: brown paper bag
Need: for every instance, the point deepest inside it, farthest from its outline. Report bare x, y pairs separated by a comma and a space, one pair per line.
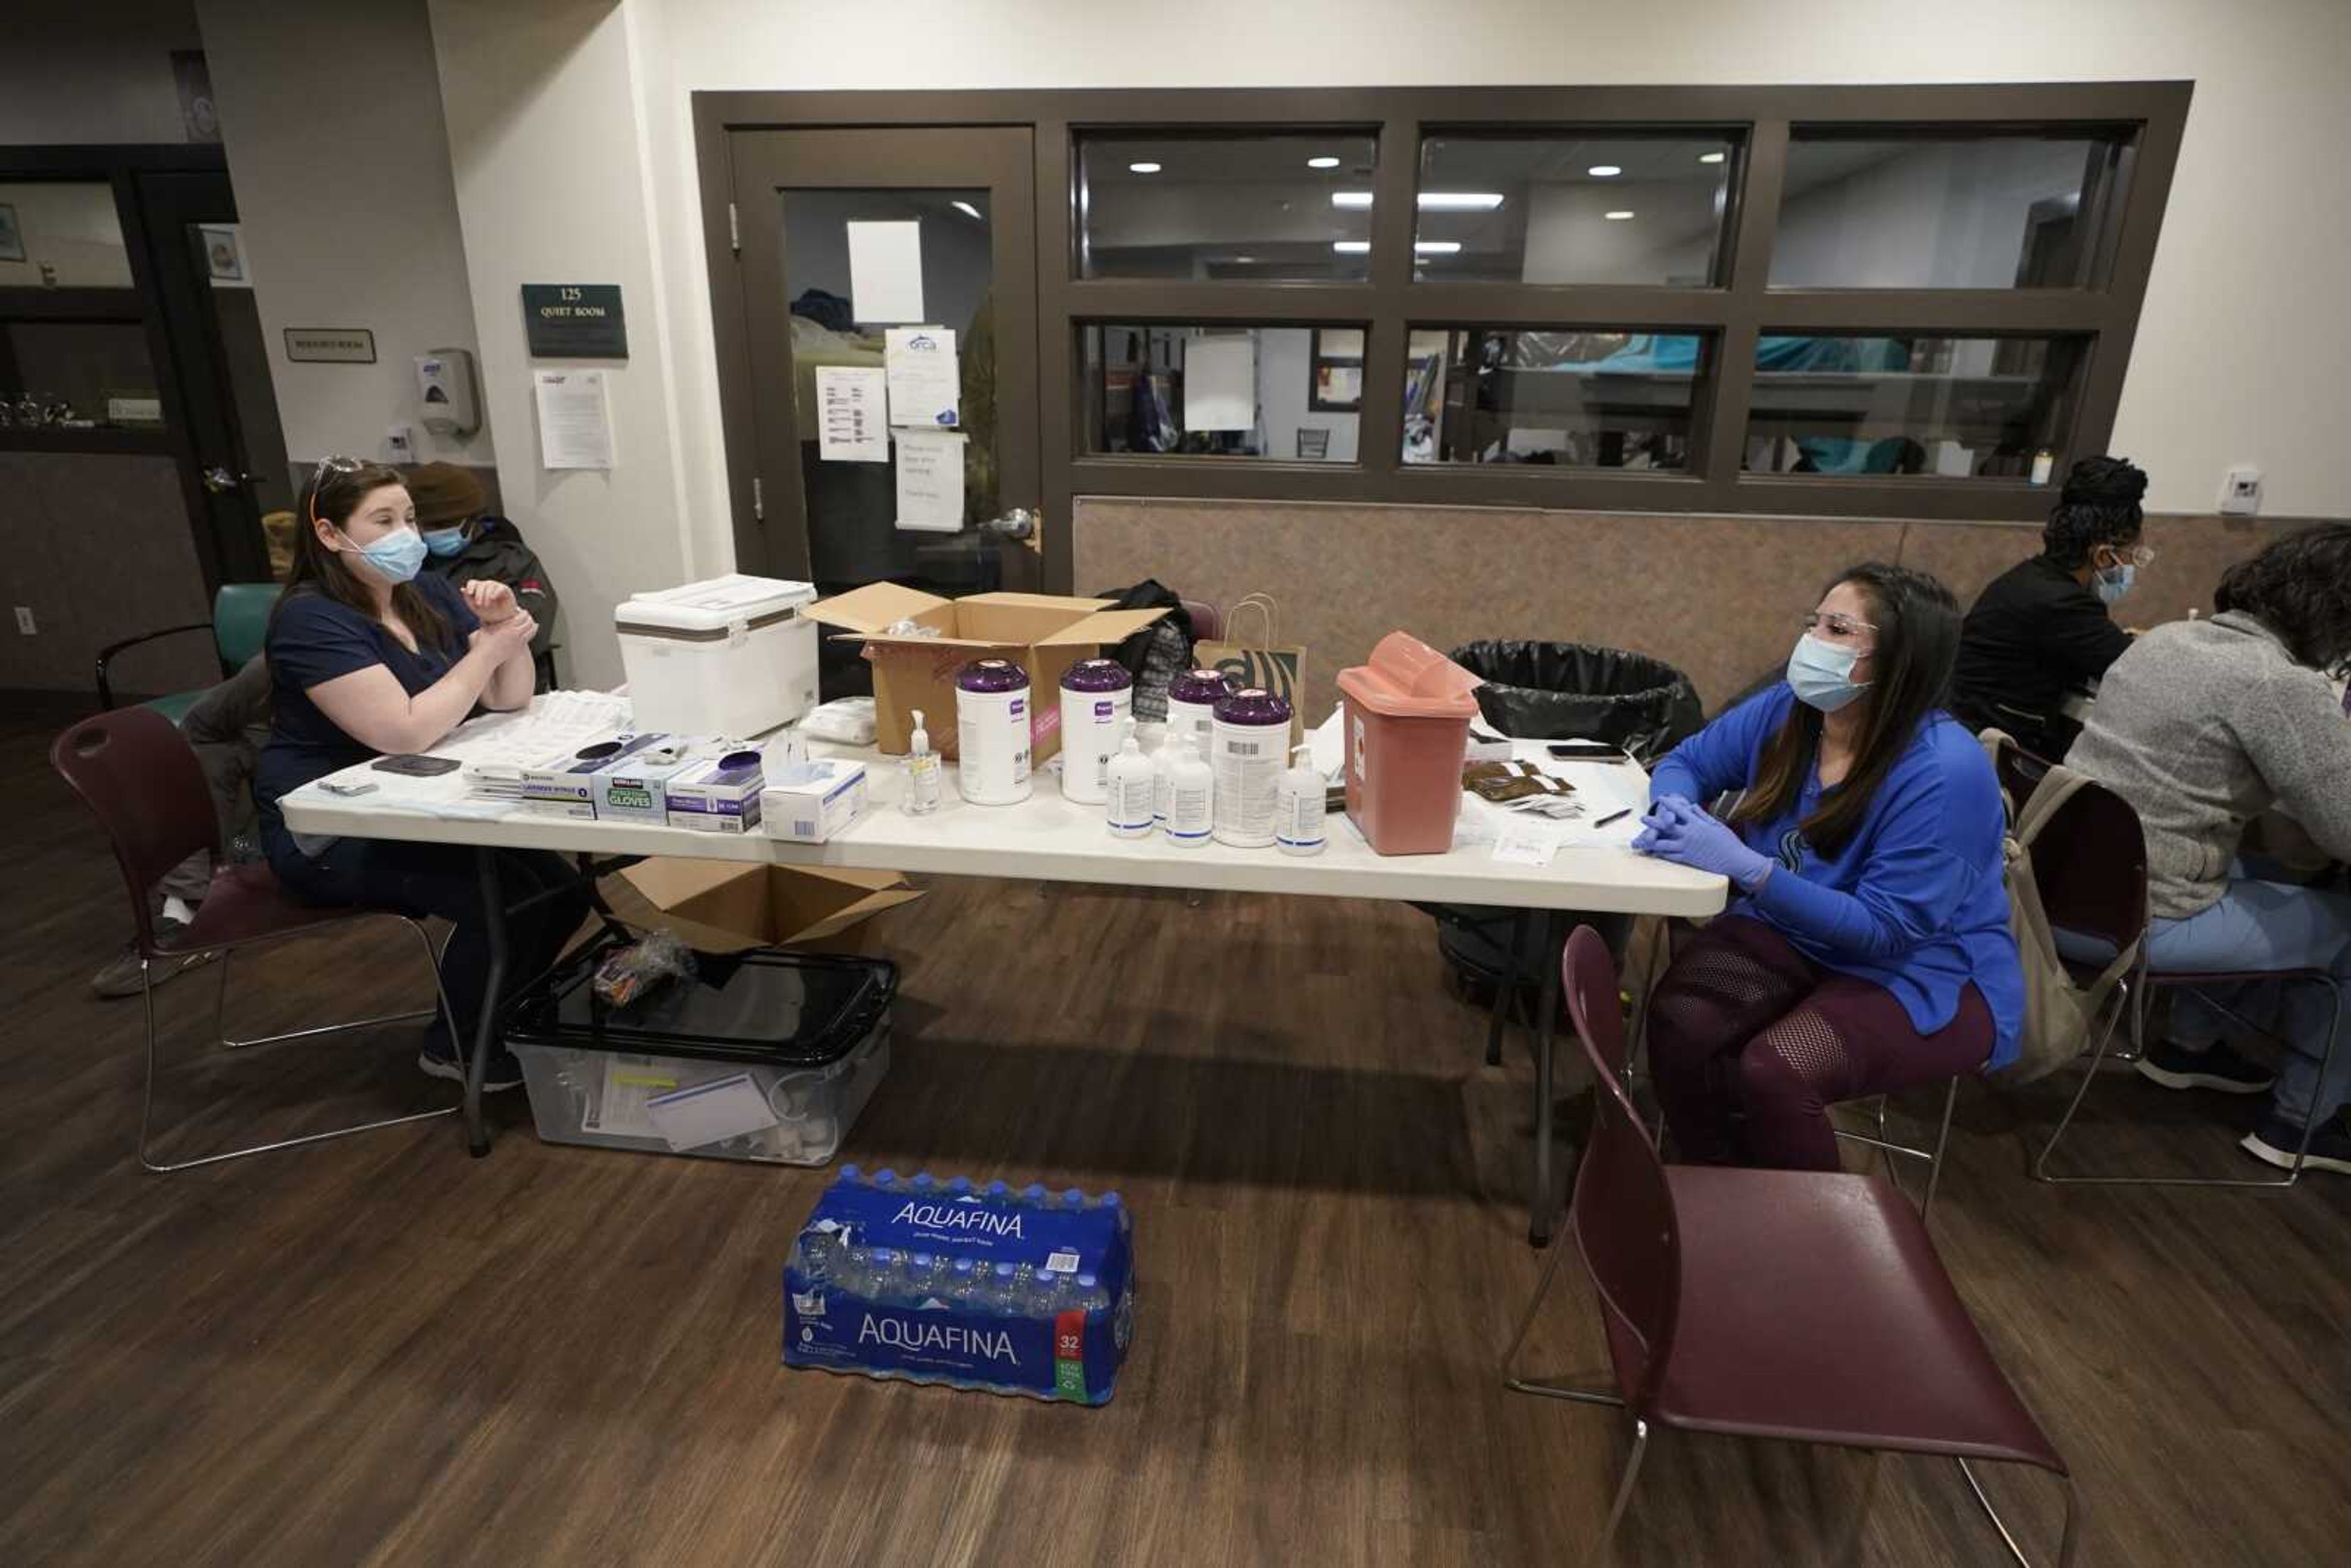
1262, 660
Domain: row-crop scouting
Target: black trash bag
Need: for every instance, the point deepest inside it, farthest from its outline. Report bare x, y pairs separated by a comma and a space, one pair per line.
1565, 691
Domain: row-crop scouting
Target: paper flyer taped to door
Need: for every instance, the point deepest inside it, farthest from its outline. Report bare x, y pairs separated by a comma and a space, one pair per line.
925, 386
930, 480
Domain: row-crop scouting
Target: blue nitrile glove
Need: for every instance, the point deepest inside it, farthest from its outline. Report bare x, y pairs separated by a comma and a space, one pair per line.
1664, 816
1690, 836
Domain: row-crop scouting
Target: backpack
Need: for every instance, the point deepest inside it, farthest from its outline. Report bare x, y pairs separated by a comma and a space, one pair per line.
2060, 1016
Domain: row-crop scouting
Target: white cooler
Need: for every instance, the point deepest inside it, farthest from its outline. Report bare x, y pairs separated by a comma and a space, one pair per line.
729, 656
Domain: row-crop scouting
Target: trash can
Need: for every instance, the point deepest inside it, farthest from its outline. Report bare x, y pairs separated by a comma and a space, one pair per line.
1561, 691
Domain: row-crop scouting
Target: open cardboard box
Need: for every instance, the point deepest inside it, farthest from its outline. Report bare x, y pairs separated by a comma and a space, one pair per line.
725, 906
1044, 634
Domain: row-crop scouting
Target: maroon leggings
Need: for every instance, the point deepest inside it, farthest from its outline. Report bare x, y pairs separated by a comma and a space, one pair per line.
1750, 1042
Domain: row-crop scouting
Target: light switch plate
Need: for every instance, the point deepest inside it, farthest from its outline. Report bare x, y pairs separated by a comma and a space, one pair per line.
2241, 493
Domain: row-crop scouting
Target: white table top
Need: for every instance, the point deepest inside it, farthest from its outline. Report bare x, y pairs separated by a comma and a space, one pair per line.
1049, 838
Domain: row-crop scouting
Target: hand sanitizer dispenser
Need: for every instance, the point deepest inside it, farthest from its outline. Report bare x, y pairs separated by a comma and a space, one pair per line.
445, 401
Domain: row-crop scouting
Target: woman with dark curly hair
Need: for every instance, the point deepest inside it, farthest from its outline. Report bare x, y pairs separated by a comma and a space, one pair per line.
2204, 725
2042, 632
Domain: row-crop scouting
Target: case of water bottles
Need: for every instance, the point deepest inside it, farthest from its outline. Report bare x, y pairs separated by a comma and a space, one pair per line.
943, 1281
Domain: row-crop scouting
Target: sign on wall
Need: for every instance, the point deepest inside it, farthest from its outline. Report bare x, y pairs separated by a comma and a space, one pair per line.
574, 321
332, 345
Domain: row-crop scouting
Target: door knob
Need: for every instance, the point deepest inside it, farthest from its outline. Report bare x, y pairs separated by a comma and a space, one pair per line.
220, 481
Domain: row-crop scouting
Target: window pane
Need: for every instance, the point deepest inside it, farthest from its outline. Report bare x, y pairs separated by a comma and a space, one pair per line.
1289, 393
1252, 207
77, 375
1851, 404
1571, 209
58, 234
1566, 398
1976, 211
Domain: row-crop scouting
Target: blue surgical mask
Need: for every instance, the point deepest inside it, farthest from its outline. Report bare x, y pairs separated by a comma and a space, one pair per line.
444, 542
396, 557
1821, 673
2112, 584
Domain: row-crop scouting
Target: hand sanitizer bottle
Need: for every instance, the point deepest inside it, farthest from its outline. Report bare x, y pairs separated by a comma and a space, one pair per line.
1128, 809
1191, 795
920, 796
1298, 808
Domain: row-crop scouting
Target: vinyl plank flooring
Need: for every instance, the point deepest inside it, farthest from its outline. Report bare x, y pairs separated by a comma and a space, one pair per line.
379, 1352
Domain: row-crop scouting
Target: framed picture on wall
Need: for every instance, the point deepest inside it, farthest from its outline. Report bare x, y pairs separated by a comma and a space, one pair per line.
12, 238
1337, 362
1314, 443
223, 255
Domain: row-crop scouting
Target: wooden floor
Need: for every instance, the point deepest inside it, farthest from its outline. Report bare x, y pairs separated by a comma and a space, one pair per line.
378, 1351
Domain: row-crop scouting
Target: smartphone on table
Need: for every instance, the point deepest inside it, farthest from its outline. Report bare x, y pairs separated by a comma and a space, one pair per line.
1586, 751
416, 766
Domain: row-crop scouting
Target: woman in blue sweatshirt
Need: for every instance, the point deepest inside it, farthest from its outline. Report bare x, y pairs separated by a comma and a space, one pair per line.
1866, 947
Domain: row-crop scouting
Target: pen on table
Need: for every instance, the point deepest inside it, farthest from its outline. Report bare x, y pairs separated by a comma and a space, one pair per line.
1613, 817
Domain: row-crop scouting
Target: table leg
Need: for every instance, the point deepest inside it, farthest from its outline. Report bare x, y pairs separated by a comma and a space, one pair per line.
1540, 1209
1505, 991
486, 1027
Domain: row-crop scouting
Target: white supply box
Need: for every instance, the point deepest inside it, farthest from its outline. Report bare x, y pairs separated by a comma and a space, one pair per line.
809, 803
712, 798
731, 655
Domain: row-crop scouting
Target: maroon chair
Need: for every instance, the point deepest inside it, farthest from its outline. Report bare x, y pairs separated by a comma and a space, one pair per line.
1805, 1306
2090, 865
140, 776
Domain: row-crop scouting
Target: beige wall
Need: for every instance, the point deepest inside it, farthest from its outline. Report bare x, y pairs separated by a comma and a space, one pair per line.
1716, 596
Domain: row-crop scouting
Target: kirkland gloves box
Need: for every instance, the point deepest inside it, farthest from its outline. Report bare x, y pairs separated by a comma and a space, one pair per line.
1027, 1293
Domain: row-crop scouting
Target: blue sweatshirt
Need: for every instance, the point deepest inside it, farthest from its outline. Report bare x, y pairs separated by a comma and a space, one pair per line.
1917, 900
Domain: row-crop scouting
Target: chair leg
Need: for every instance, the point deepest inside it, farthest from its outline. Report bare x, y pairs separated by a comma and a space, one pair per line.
2128, 998
1942, 1142
2067, 1544
432, 959
1517, 1384
1601, 1547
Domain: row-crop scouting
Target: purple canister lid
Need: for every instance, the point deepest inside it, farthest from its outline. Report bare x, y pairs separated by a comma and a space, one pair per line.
1197, 686
992, 676
1096, 676
1253, 705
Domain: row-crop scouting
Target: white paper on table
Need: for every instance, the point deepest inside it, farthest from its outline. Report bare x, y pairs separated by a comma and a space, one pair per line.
707, 1113
930, 480
1517, 846
885, 271
1221, 382
575, 422
925, 387
853, 419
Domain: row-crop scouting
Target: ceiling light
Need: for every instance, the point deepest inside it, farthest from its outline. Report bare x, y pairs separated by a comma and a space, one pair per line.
1324, 162
1143, 168
1619, 215
1351, 246
1712, 157
1243, 260
1604, 171
1436, 246
967, 209
1430, 201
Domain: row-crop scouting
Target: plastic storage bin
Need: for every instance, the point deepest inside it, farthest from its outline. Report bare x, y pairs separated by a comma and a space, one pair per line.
760, 1055
729, 656
1408, 727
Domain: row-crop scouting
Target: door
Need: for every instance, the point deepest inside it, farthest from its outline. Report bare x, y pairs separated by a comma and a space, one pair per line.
232, 451
959, 256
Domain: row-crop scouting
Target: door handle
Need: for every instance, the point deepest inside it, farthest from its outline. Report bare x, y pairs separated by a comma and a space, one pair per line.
222, 481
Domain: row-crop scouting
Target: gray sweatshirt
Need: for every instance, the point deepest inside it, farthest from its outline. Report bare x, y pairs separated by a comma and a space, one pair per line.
2204, 725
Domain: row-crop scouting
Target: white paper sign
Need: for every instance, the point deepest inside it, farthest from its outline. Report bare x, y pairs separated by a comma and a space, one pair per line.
1221, 382
1517, 847
852, 418
930, 480
885, 272
926, 389
575, 424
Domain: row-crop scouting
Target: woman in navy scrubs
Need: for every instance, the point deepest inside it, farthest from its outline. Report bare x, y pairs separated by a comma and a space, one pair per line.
368, 659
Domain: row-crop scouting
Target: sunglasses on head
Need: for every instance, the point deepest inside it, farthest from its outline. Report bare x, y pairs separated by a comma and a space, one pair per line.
319, 477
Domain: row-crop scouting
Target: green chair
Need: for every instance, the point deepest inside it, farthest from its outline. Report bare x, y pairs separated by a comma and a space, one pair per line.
239, 624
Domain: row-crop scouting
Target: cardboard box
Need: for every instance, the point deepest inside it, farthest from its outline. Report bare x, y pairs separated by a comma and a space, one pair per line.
809, 803
725, 906
712, 798
1044, 634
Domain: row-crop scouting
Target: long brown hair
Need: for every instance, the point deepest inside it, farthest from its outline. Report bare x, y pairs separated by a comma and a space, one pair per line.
333, 494
1918, 624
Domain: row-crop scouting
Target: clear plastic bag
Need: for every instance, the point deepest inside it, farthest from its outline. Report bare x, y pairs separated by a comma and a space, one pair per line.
631, 973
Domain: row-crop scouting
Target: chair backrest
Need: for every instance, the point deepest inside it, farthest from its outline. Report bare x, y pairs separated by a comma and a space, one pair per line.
140, 775
1622, 1214
1207, 624
240, 621
2089, 860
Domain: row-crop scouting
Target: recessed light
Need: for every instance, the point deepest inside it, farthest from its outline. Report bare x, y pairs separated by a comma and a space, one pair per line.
1351, 246
1430, 201
1619, 215
1325, 163
1436, 246
1604, 171
1143, 168
1243, 260
1712, 157
967, 209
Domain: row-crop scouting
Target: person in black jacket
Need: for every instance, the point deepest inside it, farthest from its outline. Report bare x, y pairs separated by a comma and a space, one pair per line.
463, 542
2042, 632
